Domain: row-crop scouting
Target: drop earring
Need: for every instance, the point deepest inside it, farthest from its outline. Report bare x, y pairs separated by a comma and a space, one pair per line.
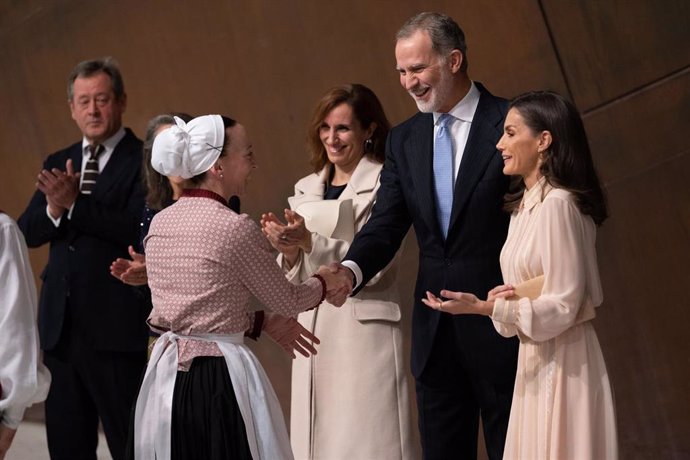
368, 145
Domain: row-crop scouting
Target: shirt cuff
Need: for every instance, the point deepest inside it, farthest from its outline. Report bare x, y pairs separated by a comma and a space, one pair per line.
356, 270
505, 311
55, 222
12, 417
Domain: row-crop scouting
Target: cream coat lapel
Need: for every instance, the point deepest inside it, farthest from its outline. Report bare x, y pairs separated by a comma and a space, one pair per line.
360, 190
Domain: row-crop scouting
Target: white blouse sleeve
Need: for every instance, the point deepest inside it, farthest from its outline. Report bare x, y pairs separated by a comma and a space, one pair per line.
563, 237
23, 377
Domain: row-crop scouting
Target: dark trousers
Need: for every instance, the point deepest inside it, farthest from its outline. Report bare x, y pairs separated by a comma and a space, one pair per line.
88, 385
452, 394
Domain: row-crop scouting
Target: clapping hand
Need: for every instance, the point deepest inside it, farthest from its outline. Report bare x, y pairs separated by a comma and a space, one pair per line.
60, 188
132, 272
290, 335
339, 282
292, 233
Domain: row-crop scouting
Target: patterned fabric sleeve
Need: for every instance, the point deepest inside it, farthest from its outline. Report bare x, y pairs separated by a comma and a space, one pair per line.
259, 272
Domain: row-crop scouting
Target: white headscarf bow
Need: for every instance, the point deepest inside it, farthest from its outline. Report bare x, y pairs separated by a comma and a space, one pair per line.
188, 149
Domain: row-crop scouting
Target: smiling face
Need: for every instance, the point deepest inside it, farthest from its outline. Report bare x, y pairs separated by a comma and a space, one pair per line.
427, 76
343, 137
94, 107
238, 162
522, 148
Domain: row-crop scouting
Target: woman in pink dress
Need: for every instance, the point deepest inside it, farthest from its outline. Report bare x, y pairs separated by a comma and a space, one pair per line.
562, 403
204, 394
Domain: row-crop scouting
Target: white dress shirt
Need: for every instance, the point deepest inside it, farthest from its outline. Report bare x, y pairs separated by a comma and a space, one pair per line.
463, 114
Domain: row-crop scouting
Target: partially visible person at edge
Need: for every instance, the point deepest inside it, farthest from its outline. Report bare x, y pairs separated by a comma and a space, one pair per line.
24, 380
563, 404
443, 176
92, 327
164, 191
346, 138
204, 394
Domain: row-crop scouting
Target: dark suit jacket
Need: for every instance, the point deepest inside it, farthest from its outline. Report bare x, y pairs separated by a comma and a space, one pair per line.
105, 312
468, 260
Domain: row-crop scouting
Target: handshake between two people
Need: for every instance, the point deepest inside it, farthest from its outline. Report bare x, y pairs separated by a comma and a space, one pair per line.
339, 282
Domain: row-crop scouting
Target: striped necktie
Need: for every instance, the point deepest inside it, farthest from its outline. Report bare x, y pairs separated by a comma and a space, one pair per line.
443, 171
90, 174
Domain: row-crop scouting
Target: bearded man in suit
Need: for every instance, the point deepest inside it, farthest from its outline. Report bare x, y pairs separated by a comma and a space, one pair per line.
443, 175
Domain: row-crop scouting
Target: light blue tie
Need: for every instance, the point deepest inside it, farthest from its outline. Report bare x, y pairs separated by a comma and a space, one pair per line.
443, 171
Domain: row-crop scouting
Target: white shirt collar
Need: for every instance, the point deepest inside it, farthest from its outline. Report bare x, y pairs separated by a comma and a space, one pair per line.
465, 109
109, 143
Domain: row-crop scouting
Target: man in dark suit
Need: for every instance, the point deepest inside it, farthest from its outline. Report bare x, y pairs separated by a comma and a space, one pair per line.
463, 368
92, 327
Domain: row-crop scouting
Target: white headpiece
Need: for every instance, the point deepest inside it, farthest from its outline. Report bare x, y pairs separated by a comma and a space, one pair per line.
188, 149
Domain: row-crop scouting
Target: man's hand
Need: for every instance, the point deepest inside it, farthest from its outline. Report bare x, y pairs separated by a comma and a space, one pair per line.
61, 188
290, 335
132, 272
6, 437
339, 282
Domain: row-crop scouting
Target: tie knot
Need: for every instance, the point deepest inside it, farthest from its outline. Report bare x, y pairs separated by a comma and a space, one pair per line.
95, 150
444, 120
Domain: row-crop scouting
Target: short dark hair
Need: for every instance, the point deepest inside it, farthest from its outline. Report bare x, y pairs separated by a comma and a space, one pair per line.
568, 161
446, 35
89, 68
366, 108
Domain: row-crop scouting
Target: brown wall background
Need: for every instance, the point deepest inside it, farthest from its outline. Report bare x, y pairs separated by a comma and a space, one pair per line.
626, 65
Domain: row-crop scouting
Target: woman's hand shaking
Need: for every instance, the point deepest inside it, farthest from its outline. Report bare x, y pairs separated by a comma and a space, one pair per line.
339, 282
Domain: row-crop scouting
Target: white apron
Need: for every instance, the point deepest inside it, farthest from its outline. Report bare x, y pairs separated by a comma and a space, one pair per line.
266, 431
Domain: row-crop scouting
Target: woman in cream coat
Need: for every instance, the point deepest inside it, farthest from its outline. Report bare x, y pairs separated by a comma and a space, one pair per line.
349, 401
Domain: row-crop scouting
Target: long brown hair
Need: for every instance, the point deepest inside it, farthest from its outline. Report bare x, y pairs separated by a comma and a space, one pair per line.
568, 161
367, 110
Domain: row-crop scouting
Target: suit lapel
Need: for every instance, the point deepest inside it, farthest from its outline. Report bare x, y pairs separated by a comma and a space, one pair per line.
478, 153
419, 151
77, 156
117, 164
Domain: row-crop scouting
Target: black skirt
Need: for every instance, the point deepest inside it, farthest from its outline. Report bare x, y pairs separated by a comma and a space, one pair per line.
206, 420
